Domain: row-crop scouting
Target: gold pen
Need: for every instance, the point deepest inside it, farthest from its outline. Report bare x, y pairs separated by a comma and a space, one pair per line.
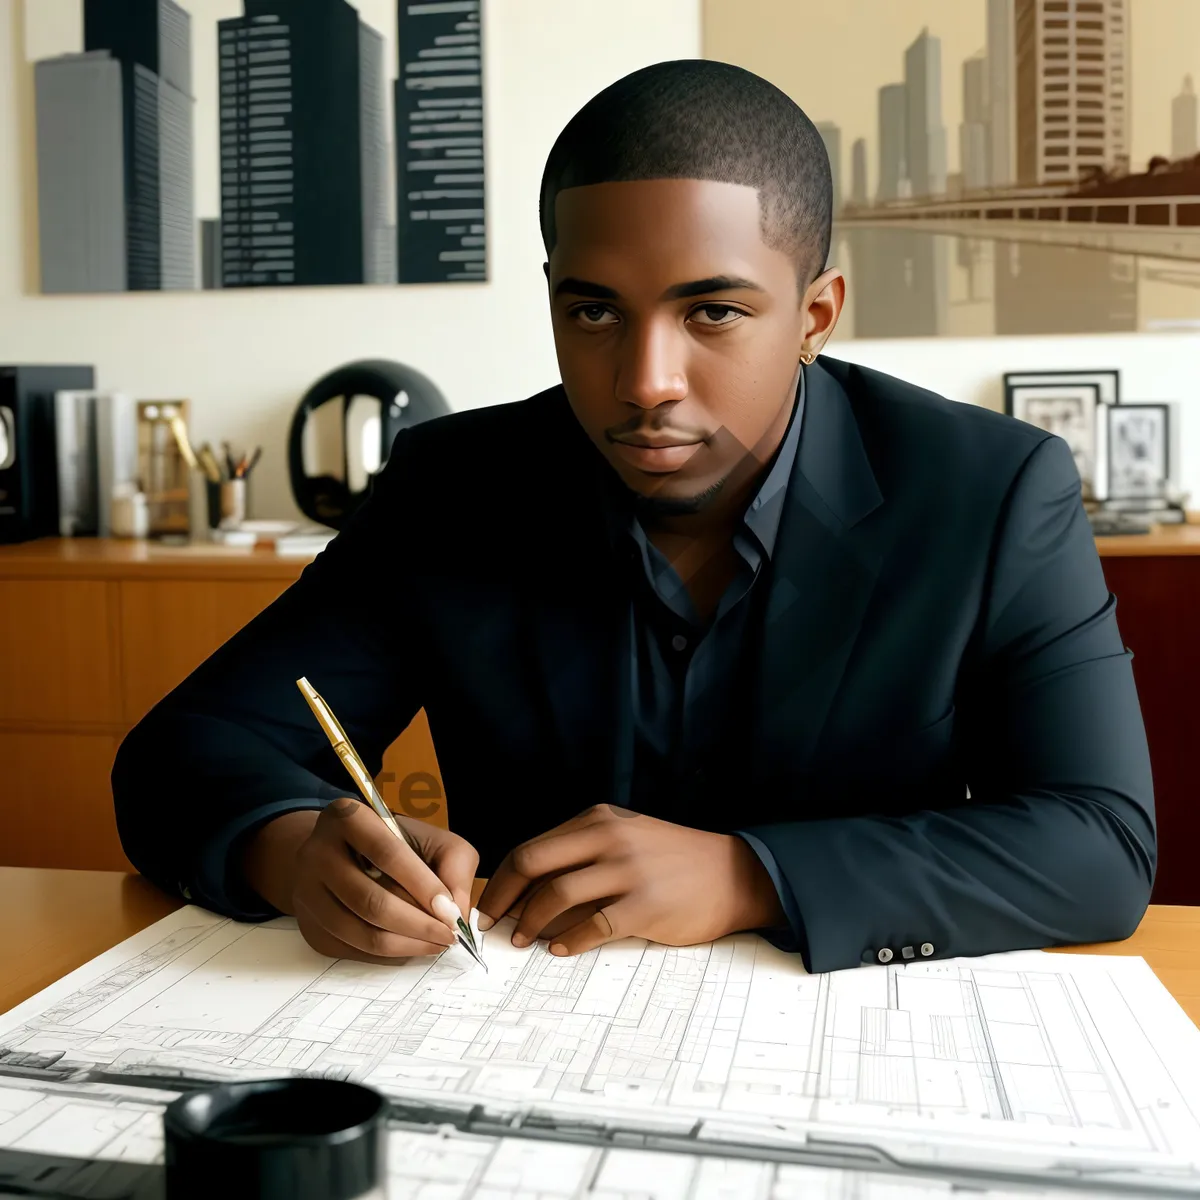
362, 777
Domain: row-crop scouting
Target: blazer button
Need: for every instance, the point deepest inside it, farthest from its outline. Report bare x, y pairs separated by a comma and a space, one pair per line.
926, 948
885, 955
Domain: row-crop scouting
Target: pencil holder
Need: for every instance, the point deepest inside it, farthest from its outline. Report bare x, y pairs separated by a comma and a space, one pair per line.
233, 503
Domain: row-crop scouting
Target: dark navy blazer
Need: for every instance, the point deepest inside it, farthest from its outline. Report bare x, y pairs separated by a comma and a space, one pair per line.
938, 736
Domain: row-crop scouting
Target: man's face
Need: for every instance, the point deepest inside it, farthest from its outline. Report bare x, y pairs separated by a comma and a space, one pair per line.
678, 331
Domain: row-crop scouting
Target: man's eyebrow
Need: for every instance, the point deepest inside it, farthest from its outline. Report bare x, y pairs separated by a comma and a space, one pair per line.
582, 287
680, 291
715, 283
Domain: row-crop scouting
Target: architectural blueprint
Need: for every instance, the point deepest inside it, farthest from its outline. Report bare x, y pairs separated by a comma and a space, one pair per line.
122, 1137
1054, 1065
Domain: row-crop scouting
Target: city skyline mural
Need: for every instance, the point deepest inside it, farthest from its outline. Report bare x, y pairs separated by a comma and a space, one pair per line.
257, 143
1000, 166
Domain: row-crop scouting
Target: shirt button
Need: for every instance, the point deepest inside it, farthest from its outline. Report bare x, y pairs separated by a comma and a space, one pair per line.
908, 952
926, 948
885, 955
679, 642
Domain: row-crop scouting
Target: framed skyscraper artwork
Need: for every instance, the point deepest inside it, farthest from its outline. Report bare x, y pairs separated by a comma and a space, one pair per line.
184, 144
999, 166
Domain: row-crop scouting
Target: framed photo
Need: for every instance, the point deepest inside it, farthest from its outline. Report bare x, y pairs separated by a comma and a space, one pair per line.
1108, 383
1070, 411
1138, 454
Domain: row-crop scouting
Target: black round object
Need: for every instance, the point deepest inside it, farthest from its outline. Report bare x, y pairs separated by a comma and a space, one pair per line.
304, 1139
406, 398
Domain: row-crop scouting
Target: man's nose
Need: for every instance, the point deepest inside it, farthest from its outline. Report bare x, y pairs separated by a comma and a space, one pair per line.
652, 369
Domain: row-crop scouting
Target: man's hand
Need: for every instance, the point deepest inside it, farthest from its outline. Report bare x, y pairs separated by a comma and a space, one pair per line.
611, 873
308, 864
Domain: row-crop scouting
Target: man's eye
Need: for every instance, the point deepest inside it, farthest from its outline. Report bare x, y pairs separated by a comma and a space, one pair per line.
717, 314
596, 314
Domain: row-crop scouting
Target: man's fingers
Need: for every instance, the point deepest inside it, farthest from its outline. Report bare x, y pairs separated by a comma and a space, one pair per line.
554, 897
532, 860
606, 925
456, 863
380, 907
319, 906
357, 825
324, 942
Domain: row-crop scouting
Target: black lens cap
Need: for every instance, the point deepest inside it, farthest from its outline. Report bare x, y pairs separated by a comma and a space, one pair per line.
300, 1138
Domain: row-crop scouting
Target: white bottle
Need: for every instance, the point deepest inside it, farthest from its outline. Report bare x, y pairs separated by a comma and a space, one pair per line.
130, 512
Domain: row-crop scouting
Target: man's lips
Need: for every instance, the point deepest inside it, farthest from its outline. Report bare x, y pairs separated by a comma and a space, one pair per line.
659, 457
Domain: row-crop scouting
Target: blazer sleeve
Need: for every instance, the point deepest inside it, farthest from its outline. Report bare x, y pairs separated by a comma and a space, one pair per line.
1056, 845
235, 744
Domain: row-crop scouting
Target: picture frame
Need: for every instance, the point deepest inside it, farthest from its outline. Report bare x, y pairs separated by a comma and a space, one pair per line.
1071, 411
1107, 380
1139, 451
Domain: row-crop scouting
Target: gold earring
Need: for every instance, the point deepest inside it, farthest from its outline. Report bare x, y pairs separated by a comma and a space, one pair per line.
808, 358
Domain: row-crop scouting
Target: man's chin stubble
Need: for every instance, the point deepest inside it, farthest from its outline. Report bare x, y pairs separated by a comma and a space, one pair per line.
675, 506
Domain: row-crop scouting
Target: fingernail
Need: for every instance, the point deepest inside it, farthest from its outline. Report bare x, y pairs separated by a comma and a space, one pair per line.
485, 922
520, 941
445, 910
558, 948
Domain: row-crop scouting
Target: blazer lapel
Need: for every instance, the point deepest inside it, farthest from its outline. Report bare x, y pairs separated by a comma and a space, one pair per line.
823, 573
578, 625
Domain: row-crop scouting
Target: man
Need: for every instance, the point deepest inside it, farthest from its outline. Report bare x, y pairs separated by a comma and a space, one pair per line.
717, 636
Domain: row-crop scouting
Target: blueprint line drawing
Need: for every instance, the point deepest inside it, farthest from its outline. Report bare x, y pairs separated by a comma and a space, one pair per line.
1077, 1059
426, 1159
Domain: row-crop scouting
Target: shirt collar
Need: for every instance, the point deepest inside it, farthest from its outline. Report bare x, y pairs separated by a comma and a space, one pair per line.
763, 514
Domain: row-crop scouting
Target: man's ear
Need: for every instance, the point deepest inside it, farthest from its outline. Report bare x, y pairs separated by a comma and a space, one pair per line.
823, 301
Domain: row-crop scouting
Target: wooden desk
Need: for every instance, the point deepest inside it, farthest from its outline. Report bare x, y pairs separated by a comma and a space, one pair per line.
54, 921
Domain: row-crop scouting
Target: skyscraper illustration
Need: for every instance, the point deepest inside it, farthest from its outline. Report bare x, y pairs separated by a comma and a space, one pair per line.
440, 229
858, 172
893, 142
1001, 93
926, 132
115, 125
974, 148
292, 196
831, 135
81, 173
1185, 128
151, 39
1072, 88
379, 245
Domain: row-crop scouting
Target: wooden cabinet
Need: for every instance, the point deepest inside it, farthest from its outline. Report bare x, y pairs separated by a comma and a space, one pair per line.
92, 635
1156, 580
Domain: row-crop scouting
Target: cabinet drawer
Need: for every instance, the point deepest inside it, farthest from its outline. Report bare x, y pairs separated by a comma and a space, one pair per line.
56, 657
56, 805
169, 627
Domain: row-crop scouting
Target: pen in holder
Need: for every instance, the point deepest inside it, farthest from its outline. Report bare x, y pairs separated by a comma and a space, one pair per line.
226, 486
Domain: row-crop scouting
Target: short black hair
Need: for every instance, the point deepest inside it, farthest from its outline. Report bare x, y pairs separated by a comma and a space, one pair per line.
699, 119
